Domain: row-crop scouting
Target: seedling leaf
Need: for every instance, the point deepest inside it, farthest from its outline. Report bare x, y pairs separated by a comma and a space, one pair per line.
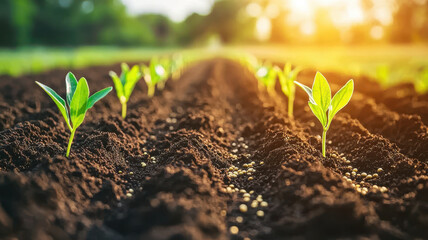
79, 103
308, 91
97, 96
318, 112
341, 98
70, 86
321, 92
59, 101
117, 85
132, 78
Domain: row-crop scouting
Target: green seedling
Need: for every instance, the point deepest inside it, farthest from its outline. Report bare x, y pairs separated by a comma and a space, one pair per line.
286, 80
153, 74
77, 102
125, 84
176, 66
266, 74
321, 103
163, 69
421, 84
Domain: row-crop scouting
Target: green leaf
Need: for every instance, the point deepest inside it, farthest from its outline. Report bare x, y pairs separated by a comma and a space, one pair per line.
117, 85
133, 77
70, 86
341, 99
308, 91
59, 101
79, 103
321, 92
97, 96
319, 113
283, 82
125, 70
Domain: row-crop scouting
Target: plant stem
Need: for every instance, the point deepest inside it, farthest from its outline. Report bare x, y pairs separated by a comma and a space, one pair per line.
70, 141
151, 91
290, 107
324, 135
124, 110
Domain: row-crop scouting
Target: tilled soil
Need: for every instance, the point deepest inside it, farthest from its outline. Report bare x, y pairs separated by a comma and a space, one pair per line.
194, 137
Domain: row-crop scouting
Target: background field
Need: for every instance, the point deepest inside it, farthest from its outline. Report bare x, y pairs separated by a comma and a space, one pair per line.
388, 64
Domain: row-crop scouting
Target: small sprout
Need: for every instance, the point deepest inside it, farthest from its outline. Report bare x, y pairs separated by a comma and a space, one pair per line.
379, 170
153, 74
163, 70
286, 79
143, 164
266, 74
223, 213
263, 204
239, 219
254, 204
176, 66
77, 102
321, 103
125, 84
129, 194
260, 213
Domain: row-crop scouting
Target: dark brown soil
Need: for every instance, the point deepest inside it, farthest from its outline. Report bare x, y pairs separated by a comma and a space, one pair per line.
191, 136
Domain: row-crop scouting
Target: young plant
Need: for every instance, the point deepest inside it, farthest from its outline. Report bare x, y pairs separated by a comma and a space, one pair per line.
77, 102
321, 103
153, 74
176, 66
163, 69
125, 84
266, 74
421, 84
286, 80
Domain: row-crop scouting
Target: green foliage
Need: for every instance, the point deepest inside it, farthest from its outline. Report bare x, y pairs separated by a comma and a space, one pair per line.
421, 84
321, 104
266, 74
125, 84
286, 80
176, 66
153, 74
78, 102
163, 69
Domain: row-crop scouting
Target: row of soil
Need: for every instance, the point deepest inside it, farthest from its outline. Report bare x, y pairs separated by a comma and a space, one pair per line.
210, 157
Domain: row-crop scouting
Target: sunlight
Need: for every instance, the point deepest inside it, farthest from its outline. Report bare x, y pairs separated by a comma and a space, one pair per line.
263, 28
342, 13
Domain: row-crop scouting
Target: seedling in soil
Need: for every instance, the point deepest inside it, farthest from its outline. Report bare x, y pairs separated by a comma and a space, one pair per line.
266, 74
176, 66
163, 70
321, 103
125, 84
421, 84
286, 80
153, 74
77, 102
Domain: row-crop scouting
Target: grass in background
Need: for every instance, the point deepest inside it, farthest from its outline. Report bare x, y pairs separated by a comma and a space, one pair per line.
36, 60
389, 64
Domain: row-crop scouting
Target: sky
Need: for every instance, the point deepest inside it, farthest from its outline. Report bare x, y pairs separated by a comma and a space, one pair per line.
176, 10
